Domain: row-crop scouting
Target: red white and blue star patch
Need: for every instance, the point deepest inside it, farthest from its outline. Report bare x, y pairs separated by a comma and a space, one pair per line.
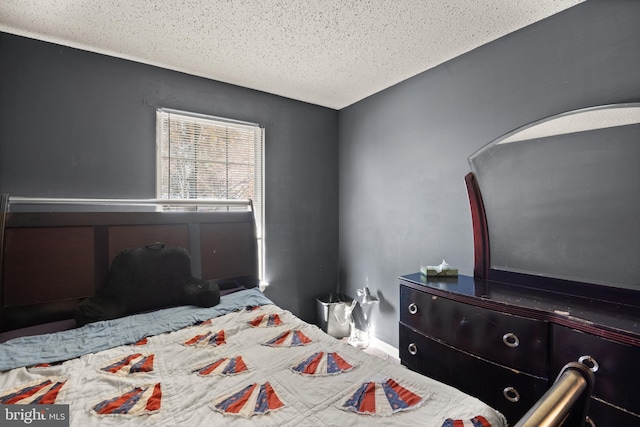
254, 399
291, 338
266, 321
133, 364
381, 398
224, 366
43, 391
208, 339
322, 363
142, 400
477, 421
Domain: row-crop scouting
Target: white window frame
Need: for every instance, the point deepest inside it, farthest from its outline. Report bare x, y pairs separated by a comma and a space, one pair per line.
163, 118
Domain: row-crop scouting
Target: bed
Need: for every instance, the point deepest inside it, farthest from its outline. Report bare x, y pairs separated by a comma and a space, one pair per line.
241, 361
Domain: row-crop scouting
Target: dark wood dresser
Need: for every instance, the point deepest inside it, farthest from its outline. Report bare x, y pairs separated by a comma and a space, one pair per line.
556, 276
507, 343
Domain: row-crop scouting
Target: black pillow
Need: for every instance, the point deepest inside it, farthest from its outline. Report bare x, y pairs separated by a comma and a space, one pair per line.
148, 278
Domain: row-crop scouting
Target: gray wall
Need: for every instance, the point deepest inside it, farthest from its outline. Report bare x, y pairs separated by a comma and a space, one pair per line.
79, 124
403, 151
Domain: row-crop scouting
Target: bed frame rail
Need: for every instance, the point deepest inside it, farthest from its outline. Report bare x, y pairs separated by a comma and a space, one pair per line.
566, 402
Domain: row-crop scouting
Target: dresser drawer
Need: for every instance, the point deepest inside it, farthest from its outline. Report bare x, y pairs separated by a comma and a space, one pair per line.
605, 415
490, 382
510, 340
618, 374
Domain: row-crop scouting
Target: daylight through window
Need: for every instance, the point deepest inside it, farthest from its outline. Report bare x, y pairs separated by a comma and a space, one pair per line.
204, 157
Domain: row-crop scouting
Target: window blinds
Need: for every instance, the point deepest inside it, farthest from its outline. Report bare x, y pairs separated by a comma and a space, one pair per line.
204, 157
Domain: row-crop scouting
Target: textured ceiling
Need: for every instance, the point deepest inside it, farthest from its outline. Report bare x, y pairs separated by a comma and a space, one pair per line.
326, 52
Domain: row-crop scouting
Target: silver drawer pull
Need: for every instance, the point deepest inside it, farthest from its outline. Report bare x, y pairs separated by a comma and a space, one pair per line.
413, 309
413, 349
511, 394
589, 362
511, 340
588, 421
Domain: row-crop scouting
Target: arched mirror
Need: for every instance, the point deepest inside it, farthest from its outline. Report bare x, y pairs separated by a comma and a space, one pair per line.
562, 197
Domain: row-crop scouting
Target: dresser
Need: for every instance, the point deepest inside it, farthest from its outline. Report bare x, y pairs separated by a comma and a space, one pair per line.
506, 344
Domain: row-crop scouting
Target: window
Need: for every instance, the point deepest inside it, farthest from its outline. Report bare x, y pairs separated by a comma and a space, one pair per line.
205, 157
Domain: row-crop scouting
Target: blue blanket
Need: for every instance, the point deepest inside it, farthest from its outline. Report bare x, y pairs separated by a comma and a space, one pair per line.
98, 336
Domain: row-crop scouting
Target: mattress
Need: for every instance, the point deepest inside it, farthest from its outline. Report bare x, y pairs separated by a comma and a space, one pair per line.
245, 361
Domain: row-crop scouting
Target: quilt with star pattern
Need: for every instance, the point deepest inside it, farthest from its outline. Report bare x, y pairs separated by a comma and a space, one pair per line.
244, 362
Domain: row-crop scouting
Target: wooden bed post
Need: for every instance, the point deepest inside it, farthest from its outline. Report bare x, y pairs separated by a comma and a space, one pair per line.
4, 207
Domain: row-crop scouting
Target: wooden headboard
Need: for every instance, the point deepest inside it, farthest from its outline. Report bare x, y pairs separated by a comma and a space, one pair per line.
53, 260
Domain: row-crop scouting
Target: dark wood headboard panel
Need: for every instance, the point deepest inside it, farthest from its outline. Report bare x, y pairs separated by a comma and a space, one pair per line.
53, 260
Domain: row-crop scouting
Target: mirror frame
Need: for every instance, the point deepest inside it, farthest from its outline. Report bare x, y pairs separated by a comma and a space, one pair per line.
482, 255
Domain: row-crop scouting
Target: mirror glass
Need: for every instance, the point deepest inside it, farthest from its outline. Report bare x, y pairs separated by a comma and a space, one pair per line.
562, 196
